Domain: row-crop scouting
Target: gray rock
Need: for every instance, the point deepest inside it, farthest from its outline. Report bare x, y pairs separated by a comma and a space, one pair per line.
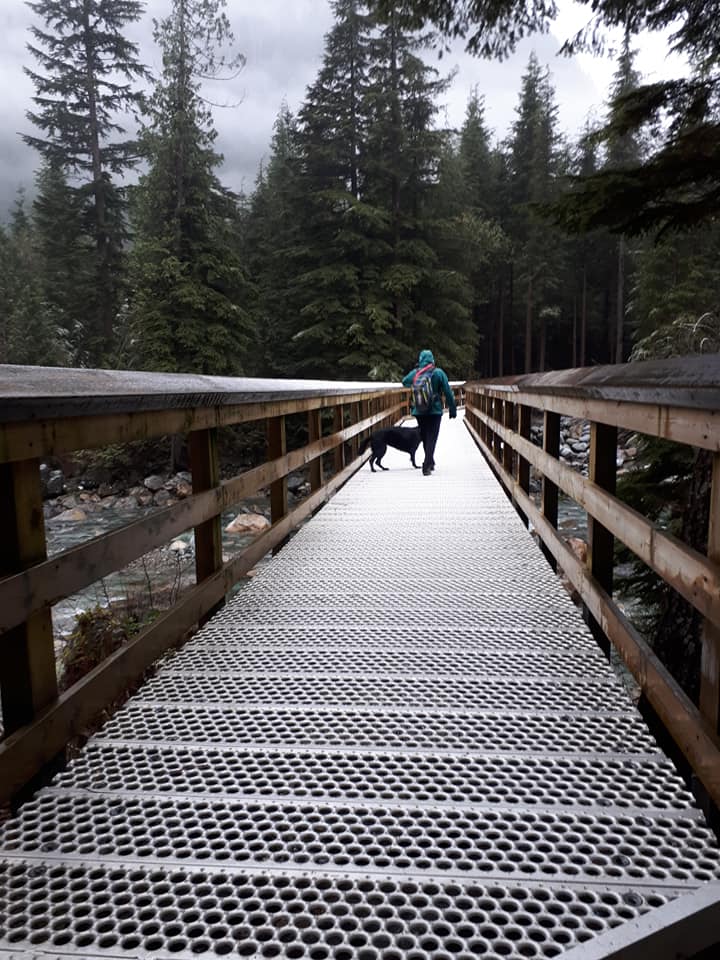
183, 490
295, 482
105, 490
162, 498
154, 482
55, 483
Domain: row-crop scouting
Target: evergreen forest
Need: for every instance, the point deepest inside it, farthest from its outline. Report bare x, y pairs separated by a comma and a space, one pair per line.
372, 229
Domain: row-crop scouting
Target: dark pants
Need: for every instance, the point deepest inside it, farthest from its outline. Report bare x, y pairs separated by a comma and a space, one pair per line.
429, 424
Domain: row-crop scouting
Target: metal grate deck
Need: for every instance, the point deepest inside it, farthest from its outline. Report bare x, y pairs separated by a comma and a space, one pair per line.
398, 742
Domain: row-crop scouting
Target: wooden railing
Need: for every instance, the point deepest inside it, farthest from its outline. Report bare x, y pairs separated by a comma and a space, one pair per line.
676, 400
48, 412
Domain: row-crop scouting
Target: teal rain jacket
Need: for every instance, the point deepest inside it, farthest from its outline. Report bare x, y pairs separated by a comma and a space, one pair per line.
439, 381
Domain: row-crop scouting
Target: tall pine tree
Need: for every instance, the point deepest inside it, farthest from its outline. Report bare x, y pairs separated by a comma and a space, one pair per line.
86, 76
190, 291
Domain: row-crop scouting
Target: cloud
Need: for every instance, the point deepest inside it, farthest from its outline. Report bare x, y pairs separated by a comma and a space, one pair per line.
283, 45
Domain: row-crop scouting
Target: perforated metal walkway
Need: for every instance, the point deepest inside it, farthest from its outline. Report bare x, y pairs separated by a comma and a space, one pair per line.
398, 742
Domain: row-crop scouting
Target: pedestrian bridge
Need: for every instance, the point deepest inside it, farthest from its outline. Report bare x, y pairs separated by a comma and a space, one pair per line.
400, 739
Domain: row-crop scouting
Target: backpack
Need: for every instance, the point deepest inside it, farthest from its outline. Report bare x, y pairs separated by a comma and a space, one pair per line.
423, 394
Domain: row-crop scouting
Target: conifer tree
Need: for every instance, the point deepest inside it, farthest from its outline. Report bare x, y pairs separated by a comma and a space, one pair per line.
535, 163
87, 70
65, 258
189, 305
331, 266
624, 150
272, 230
420, 295
484, 242
29, 332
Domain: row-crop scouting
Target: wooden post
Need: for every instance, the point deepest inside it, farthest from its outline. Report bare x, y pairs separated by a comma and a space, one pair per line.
509, 424
338, 425
710, 660
355, 417
205, 468
314, 434
523, 466
28, 680
364, 412
603, 472
551, 446
277, 447
497, 439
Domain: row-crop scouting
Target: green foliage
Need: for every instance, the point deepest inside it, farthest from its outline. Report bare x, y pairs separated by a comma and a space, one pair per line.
30, 327
190, 291
670, 484
674, 300
86, 74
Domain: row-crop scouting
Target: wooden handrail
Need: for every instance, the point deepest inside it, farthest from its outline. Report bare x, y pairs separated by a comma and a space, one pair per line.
46, 412
676, 400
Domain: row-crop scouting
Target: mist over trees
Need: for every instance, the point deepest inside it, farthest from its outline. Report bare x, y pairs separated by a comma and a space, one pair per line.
372, 230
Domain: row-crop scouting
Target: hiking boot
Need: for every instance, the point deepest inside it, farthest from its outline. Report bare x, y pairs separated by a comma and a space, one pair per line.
427, 471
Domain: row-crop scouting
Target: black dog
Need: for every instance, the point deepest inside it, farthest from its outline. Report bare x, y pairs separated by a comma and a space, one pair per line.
402, 438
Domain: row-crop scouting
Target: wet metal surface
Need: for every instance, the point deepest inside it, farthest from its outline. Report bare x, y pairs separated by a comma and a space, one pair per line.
399, 742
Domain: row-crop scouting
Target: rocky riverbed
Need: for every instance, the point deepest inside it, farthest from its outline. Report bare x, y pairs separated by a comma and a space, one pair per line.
81, 506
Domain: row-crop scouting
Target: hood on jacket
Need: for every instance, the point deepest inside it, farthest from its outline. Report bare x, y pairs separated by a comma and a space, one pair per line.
425, 358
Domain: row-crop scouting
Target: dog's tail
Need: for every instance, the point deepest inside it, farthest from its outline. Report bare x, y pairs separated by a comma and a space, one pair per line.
364, 445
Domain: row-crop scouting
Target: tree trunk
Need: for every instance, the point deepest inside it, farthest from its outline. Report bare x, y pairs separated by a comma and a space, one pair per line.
575, 331
528, 327
583, 320
105, 312
543, 343
620, 326
501, 329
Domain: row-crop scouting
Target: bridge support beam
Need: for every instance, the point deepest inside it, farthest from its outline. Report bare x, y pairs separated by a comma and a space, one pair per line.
523, 466
27, 658
687, 927
551, 446
314, 434
603, 472
710, 662
205, 468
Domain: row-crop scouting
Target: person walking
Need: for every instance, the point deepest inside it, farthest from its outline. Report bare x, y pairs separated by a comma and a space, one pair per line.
428, 384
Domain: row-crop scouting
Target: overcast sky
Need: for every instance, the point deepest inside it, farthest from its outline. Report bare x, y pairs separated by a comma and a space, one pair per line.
283, 43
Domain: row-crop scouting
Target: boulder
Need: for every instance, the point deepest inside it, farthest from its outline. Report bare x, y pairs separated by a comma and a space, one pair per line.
162, 498
75, 515
154, 482
144, 499
578, 547
55, 483
248, 523
295, 481
179, 546
105, 490
183, 490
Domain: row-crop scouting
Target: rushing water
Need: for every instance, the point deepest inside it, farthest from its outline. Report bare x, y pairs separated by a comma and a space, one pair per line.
158, 573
